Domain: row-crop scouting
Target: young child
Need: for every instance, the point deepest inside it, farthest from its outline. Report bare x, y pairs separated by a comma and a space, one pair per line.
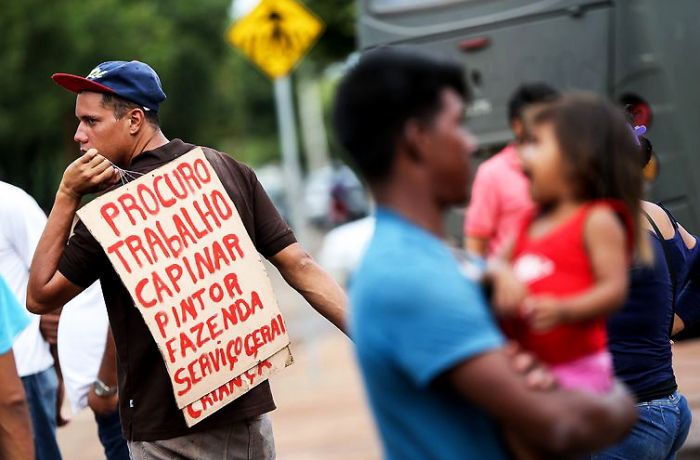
569, 263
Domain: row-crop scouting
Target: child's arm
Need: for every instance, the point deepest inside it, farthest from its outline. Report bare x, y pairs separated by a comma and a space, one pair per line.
605, 241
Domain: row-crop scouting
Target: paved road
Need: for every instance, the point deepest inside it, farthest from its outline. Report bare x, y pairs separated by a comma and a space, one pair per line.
322, 414
321, 411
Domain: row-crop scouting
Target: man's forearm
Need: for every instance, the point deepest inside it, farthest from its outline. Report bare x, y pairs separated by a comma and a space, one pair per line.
321, 291
558, 422
302, 273
596, 421
107, 374
108, 367
41, 297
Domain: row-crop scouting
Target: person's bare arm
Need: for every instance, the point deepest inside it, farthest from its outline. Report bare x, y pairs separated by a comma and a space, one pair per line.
302, 273
481, 217
688, 302
108, 375
687, 308
48, 289
509, 292
557, 422
605, 242
678, 325
15, 427
476, 245
48, 326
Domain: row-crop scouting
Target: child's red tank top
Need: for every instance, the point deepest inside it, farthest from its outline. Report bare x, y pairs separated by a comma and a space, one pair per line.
557, 265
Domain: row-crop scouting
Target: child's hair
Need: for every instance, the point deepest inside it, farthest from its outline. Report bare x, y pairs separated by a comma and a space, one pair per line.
600, 152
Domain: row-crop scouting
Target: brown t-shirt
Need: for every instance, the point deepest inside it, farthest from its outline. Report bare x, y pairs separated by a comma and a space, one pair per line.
146, 401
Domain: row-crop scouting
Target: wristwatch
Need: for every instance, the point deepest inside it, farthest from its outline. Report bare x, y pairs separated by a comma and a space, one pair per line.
103, 390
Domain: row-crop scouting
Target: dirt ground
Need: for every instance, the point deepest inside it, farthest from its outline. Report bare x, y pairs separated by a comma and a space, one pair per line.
322, 412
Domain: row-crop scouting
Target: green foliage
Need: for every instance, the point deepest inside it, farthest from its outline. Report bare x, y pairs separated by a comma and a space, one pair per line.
215, 96
339, 37
40, 38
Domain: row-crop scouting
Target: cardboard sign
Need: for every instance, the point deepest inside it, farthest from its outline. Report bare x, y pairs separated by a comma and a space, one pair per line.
178, 244
207, 405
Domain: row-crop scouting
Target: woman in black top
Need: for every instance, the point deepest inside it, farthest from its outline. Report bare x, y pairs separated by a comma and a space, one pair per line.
662, 300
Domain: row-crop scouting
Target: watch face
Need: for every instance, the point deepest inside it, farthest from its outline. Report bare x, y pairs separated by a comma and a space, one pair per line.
103, 390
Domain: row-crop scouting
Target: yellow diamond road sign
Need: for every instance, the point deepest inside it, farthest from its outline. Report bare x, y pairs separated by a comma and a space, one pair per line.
276, 34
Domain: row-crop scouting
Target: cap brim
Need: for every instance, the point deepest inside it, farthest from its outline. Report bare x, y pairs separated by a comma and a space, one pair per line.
76, 83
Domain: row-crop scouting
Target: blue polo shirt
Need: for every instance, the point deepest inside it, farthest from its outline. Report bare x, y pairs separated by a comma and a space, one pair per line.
414, 316
13, 318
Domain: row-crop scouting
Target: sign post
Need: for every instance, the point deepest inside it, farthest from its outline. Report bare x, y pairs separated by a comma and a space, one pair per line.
275, 36
290, 154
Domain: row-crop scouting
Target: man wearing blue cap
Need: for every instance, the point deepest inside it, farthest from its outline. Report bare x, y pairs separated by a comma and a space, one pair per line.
117, 107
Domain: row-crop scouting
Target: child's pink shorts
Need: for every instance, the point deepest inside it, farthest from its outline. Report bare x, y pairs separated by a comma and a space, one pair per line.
593, 373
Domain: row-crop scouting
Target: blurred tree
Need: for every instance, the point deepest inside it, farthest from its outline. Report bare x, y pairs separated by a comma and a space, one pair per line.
40, 38
339, 38
215, 97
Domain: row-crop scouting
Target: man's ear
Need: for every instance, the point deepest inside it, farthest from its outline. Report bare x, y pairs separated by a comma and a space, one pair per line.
136, 119
516, 125
414, 140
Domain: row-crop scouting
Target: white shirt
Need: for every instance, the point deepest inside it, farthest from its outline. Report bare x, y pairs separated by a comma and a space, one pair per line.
21, 223
82, 333
344, 246
82, 329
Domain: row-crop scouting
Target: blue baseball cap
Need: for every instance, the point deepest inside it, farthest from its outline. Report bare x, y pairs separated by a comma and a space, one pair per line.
132, 80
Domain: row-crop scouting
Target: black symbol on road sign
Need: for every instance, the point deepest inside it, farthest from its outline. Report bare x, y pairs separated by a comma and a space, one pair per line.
276, 35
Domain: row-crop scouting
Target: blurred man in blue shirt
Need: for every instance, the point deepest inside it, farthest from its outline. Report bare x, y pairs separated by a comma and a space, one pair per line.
438, 374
